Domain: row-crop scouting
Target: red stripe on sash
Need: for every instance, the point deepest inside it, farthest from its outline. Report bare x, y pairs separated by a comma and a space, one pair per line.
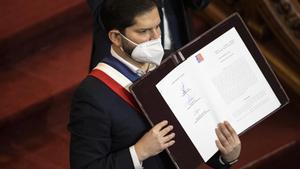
116, 87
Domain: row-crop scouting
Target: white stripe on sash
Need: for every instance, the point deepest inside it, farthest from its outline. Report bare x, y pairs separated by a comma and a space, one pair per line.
114, 74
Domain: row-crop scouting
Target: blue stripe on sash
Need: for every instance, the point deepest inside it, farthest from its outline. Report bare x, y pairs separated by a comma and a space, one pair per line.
119, 66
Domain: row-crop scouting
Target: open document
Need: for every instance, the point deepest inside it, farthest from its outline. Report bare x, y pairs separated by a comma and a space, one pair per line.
221, 81
220, 75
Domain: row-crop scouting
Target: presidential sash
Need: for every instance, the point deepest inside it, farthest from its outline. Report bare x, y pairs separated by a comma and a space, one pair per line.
116, 81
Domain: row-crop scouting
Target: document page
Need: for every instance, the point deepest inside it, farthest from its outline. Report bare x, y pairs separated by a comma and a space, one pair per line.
238, 91
219, 82
190, 106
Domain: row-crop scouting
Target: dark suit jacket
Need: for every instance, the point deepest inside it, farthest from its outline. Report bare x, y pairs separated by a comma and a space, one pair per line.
103, 127
176, 14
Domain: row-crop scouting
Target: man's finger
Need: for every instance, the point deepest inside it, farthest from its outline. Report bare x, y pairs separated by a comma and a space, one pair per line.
166, 130
220, 147
168, 144
232, 131
222, 138
168, 137
226, 133
229, 127
160, 125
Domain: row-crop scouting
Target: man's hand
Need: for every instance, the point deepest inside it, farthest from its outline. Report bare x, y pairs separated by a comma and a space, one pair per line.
155, 141
229, 143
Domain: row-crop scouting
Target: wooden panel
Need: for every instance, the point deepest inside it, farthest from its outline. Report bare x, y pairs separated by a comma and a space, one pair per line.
283, 18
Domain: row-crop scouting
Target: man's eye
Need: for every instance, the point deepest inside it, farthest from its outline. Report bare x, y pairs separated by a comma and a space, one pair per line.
144, 31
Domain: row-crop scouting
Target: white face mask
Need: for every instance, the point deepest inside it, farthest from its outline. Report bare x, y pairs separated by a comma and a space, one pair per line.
148, 52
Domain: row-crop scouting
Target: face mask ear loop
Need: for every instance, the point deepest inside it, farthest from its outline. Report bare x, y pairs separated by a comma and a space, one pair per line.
128, 39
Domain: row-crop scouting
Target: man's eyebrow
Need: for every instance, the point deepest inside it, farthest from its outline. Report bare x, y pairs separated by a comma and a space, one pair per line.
145, 28
142, 29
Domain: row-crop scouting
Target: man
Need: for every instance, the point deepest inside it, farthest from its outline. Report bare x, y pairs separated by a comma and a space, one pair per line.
175, 26
106, 131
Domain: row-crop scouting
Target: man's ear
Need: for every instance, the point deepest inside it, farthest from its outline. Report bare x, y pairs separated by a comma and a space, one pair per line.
115, 37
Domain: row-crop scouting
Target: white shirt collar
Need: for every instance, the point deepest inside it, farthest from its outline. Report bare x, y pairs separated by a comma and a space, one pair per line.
132, 67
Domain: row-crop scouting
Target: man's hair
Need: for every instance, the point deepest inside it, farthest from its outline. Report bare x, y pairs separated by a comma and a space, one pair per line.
120, 14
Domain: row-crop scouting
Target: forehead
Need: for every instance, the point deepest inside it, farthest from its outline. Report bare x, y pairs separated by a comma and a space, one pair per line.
147, 20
